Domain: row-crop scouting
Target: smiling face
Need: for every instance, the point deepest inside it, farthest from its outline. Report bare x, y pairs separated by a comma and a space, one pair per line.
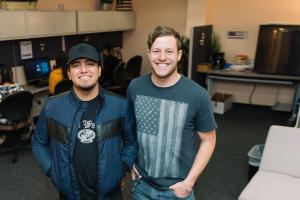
84, 74
164, 56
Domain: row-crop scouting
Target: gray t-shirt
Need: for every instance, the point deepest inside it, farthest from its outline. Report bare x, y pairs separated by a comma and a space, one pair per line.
168, 120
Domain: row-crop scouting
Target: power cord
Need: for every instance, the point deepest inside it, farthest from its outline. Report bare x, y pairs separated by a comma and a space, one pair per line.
251, 94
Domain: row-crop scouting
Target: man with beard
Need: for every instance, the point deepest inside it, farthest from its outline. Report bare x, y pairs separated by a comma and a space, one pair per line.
85, 139
172, 112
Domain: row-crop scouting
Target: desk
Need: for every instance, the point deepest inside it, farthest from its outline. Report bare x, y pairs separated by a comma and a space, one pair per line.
35, 90
40, 94
230, 75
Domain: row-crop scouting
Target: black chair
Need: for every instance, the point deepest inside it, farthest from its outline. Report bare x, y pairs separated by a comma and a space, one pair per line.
109, 65
63, 86
133, 67
16, 108
119, 84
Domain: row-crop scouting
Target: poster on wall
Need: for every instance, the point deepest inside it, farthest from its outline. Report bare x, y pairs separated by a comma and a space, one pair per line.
26, 49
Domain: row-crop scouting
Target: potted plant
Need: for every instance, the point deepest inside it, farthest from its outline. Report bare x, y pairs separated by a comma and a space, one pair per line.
106, 4
217, 56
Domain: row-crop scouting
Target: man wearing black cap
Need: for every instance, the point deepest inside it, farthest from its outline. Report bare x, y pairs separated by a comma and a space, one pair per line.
80, 133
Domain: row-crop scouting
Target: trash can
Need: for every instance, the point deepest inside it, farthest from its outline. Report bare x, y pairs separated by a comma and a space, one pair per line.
254, 157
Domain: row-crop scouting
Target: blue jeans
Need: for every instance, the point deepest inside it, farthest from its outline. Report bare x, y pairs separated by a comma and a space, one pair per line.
143, 191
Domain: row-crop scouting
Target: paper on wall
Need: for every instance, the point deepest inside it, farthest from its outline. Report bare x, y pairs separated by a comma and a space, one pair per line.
26, 49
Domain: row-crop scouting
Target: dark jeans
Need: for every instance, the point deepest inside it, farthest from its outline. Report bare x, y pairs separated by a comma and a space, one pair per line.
143, 191
61, 196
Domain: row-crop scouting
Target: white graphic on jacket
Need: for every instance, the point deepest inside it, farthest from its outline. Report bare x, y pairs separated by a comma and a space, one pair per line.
87, 134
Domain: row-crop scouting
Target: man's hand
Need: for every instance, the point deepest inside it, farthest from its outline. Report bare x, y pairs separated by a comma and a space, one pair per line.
182, 189
122, 184
135, 174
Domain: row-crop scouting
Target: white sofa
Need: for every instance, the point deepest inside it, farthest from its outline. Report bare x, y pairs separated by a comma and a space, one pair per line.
278, 177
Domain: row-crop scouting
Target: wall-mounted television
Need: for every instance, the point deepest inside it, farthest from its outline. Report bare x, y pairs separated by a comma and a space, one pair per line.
37, 70
278, 49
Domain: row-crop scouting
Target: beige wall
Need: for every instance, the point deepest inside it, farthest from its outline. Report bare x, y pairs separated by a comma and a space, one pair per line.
151, 13
228, 15
196, 14
242, 15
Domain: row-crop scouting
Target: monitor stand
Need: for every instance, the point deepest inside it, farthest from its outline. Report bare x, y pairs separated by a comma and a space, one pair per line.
41, 83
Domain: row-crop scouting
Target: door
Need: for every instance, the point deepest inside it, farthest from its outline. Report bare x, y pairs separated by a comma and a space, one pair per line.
201, 51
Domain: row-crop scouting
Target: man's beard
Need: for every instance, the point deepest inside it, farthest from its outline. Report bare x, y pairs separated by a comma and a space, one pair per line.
174, 70
88, 88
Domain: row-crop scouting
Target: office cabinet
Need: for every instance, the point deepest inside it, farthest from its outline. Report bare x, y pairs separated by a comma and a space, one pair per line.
32, 24
12, 25
94, 21
46, 23
124, 20
104, 21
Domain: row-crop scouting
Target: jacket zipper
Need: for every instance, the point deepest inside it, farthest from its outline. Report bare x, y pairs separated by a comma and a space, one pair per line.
71, 160
98, 160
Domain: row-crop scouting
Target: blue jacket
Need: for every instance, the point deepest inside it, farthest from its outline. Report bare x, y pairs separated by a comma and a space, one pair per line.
54, 140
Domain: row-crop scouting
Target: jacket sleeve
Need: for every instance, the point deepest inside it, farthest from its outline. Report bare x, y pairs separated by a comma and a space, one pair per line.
40, 143
130, 145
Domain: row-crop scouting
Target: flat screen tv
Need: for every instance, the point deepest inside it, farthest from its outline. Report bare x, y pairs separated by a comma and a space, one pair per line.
278, 50
37, 70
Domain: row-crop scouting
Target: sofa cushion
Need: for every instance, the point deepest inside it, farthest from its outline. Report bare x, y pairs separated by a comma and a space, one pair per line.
267, 185
281, 151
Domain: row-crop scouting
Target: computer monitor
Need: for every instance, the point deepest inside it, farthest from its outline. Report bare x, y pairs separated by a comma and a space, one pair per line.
37, 69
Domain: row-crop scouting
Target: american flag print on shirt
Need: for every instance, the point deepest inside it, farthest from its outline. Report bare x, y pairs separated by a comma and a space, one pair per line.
159, 126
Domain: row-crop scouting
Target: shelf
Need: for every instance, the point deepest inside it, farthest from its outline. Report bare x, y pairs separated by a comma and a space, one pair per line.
282, 107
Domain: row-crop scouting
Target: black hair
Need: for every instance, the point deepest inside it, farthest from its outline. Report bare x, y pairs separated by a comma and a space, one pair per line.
61, 61
107, 47
6, 74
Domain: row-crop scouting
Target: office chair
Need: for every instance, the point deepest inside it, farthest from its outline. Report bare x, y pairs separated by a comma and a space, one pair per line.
16, 108
109, 65
119, 84
63, 86
133, 67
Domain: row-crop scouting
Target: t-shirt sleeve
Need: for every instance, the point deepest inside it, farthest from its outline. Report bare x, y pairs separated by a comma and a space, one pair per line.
129, 93
205, 120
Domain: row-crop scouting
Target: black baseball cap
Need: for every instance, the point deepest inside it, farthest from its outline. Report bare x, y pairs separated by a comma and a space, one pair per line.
83, 50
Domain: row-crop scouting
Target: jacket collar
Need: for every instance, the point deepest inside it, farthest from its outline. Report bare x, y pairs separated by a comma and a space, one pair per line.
75, 99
